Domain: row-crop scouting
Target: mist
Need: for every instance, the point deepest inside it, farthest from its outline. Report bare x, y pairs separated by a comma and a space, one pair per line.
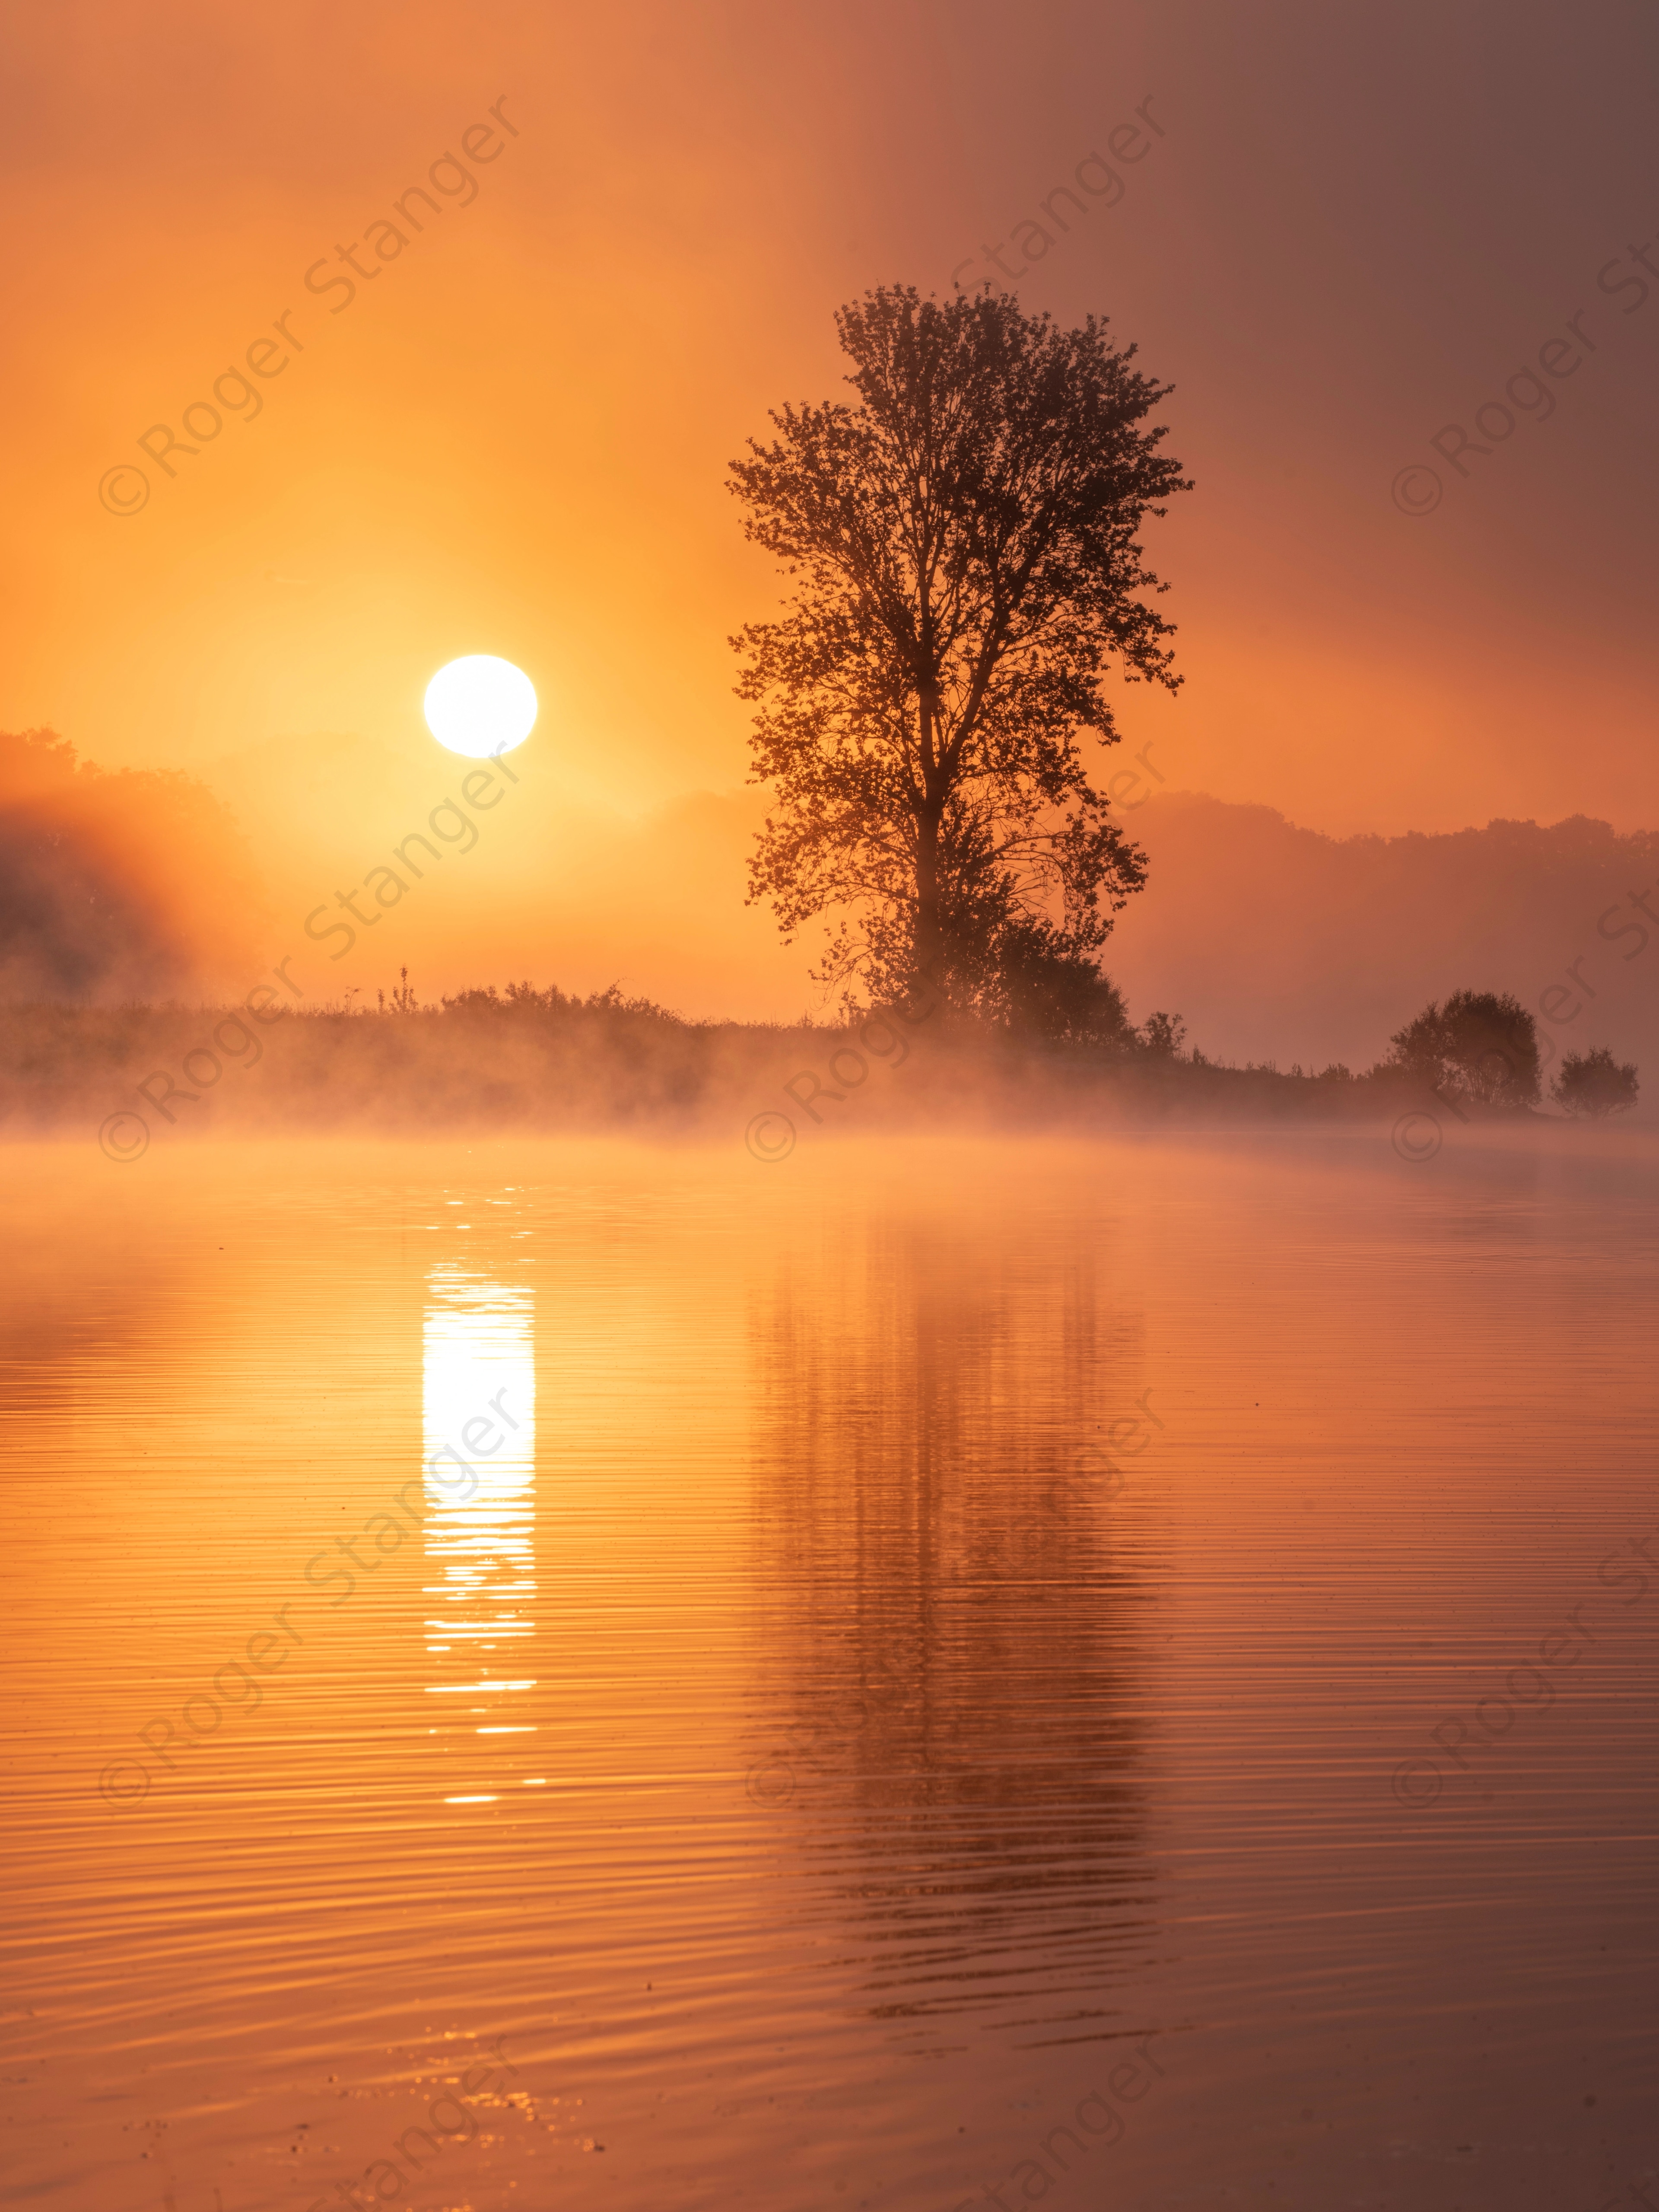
1278, 946
828, 1083
1279, 942
134, 885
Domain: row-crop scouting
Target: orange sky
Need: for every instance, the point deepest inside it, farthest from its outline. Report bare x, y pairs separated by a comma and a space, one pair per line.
1357, 225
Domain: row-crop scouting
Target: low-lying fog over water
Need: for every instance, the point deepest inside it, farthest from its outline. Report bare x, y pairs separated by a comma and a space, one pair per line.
936, 1674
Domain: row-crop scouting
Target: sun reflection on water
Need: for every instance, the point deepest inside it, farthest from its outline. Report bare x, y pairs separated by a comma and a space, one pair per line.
479, 1462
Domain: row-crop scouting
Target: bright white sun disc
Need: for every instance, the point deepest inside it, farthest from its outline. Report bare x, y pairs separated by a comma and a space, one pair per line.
480, 705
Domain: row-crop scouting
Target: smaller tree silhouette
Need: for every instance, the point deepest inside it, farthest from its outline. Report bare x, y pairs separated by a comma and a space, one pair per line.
1482, 1044
1163, 1035
1594, 1083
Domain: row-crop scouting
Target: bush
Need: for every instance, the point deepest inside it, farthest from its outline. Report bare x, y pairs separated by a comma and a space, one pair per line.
1594, 1083
1042, 987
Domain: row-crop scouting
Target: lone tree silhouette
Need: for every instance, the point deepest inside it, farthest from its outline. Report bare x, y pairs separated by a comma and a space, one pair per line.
963, 541
1594, 1083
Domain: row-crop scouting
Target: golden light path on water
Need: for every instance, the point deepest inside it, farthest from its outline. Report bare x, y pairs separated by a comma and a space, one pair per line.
478, 1459
981, 1656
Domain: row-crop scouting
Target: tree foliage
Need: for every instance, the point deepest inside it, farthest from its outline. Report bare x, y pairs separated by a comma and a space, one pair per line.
1594, 1083
1162, 1036
1482, 1044
962, 547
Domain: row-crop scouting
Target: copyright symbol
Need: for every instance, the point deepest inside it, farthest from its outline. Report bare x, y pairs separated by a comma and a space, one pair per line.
109, 1787
1416, 1137
1416, 491
123, 1137
770, 1137
1412, 1787
771, 1784
124, 489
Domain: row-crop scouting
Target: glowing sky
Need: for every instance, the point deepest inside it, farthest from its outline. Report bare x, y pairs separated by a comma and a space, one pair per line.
510, 435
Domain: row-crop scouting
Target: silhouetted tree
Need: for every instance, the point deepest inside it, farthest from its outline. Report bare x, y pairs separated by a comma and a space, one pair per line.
1482, 1044
963, 540
1163, 1035
1594, 1083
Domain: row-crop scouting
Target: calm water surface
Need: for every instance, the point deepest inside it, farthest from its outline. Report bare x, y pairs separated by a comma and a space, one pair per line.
902, 1677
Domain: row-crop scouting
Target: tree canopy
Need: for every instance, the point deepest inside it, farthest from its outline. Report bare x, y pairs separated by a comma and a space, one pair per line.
1594, 1083
1482, 1044
965, 564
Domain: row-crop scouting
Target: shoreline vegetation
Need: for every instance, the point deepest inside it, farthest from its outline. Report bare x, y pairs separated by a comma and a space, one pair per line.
533, 1060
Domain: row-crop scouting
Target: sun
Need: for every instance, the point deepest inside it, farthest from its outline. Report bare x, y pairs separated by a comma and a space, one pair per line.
480, 706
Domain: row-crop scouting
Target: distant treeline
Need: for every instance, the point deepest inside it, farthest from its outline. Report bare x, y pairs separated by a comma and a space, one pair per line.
124, 883
529, 1059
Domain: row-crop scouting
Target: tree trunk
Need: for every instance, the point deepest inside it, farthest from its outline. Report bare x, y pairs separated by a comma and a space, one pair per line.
929, 937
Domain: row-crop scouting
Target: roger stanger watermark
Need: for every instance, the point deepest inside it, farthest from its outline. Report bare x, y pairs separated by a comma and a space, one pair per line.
772, 1135
123, 1136
1417, 1134
1128, 2082
1421, 1781
1126, 142
1418, 488
774, 1779
124, 489
476, 2081
127, 1783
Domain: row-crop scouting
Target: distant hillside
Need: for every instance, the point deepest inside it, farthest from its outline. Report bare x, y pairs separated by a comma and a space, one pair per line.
1278, 943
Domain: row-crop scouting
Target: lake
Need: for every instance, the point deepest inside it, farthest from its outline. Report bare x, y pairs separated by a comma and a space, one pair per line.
917, 1674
